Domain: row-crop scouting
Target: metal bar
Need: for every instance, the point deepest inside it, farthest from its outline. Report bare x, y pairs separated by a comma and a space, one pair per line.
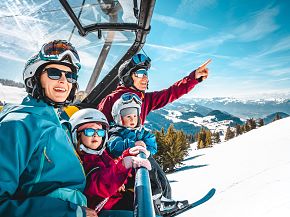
110, 81
143, 203
111, 26
102, 58
73, 17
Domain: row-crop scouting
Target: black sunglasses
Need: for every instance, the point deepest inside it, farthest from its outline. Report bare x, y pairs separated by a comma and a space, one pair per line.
55, 74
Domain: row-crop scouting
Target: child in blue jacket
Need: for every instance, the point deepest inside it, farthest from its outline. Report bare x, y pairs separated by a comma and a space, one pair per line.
127, 133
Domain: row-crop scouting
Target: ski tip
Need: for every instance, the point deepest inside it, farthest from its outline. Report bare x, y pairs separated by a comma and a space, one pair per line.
212, 191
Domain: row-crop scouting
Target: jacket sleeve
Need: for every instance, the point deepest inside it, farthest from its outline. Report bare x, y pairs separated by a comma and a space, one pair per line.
158, 99
105, 181
150, 141
117, 144
16, 150
105, 106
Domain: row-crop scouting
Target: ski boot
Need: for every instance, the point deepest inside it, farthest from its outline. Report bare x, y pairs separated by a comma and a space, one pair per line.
169, 206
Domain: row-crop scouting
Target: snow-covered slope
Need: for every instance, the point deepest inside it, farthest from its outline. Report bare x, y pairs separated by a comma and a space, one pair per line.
251, 174
11, 94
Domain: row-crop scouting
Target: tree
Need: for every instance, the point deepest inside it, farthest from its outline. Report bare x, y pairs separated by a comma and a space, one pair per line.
200, 145
173, 146
216, 137
247, 126
190, 138
252, 123
208, 142
277, 117
11, 83
261, 122
238, 130
229, 134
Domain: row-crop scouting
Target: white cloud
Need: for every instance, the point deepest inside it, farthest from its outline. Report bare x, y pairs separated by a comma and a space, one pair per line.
167, 48
282, 45
190, 7
260, 25
280, 71
200, 48
211, 42
177, 23
11, 57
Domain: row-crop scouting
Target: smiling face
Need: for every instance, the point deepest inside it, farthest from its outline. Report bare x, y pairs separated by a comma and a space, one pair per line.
92, 142
140, 83
56, 90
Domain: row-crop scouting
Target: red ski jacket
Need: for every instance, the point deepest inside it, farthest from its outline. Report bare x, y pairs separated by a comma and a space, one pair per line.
151, 100
104, 177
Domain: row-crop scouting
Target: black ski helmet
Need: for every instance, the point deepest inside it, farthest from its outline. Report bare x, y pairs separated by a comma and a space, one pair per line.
138, 61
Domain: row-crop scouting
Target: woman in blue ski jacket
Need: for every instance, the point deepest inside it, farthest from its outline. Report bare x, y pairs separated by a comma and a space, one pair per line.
40, 172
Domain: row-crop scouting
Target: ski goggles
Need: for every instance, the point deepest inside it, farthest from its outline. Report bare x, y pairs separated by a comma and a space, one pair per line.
57, 50
141, 60
89, 132
55, 74
140, 73
129, 97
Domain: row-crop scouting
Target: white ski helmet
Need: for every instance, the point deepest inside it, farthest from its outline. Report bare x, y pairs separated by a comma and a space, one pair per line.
59, 52
127, 100
89, 115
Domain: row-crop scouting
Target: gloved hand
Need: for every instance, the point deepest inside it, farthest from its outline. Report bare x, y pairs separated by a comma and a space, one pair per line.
140, 143
136, 162
137, 149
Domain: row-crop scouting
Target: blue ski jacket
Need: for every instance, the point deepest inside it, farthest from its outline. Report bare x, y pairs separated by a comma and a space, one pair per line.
121, 138
40, 173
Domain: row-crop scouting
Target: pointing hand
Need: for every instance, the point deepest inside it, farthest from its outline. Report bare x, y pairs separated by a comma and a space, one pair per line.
201, 72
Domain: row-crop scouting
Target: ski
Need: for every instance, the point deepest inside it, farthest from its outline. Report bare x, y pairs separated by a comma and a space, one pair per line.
192, 205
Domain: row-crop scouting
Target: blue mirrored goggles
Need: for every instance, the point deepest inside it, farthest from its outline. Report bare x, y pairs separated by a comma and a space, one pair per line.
141, 60
140, 73
129, 97
55, 74
91, 132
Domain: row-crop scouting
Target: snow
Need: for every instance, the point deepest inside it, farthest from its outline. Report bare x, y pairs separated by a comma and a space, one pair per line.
11, 94
250, 173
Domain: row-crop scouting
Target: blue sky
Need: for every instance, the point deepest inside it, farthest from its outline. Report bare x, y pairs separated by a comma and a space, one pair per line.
248, 42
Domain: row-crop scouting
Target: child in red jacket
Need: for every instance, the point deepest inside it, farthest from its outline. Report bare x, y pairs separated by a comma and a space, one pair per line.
105, 176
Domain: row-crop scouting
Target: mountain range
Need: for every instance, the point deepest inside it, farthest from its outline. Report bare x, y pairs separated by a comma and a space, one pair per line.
190, 118
190, 115
214, 114
244, 108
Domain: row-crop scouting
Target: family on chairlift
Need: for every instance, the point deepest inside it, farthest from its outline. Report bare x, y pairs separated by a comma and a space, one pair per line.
56, 167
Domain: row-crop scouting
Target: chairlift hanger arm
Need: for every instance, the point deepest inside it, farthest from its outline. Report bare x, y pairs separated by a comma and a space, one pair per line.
113, 27
111, 80
73, 17
84, 30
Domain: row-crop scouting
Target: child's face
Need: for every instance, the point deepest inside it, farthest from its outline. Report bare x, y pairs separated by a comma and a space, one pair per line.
130, 120
92, 142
